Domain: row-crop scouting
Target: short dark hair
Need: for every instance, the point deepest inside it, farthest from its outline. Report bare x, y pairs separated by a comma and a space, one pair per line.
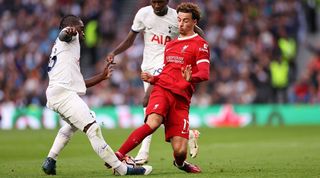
188, 7
69, 20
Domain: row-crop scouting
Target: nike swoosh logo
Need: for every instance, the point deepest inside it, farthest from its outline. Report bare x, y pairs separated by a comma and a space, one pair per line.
184, 132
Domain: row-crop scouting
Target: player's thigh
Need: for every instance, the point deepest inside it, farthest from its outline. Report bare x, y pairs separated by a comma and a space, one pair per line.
177, 122
158, 102
146, 86
146, 97
76, 112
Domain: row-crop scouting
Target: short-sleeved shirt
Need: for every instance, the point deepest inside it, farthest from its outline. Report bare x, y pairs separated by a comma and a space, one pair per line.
157, 32
179, 53
64, 66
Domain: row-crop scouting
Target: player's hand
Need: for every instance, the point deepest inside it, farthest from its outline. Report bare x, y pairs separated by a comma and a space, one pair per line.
147, 77
187, 72
71, 31
107, 72
110, 57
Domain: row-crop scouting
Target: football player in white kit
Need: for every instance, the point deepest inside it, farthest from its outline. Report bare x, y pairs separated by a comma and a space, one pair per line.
159, 25
66, 83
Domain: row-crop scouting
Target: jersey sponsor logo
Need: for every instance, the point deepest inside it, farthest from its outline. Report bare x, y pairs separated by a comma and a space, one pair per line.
175, 59
161, 39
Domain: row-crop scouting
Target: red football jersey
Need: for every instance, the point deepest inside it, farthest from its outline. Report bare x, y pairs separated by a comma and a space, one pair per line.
179, 53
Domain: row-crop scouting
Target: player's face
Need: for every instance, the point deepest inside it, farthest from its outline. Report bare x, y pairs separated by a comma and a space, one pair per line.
160, 7
186, 24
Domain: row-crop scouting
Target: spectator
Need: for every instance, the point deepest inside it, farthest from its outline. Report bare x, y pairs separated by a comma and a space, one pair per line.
241, 35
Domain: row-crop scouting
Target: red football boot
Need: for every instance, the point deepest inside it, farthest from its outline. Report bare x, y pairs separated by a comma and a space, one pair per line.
188, 167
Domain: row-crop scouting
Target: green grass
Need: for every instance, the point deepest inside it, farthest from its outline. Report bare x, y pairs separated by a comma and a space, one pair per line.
226, 152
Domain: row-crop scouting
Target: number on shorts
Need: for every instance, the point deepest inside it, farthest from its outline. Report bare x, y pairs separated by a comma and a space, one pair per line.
52, 62
185, 125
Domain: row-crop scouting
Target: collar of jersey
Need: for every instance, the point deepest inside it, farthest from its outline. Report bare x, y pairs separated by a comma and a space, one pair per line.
188, 37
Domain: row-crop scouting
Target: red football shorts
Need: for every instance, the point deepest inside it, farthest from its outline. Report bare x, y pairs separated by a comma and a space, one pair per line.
174, 109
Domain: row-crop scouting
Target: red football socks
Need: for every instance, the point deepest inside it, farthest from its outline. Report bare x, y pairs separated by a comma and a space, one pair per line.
135, 138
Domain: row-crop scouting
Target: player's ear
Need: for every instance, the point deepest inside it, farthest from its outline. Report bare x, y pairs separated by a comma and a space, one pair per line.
195, 21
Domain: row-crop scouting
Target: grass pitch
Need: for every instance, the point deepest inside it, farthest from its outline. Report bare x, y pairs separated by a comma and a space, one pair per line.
224, 152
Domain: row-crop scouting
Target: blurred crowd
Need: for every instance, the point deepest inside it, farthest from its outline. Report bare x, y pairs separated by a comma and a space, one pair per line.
253, 43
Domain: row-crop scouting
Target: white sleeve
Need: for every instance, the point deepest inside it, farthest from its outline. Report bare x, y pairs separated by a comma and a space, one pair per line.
138, 24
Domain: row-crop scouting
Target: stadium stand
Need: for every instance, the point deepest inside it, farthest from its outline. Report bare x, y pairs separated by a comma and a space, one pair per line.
247, 41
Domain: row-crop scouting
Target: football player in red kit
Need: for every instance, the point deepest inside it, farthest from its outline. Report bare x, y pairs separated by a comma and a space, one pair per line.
187, 63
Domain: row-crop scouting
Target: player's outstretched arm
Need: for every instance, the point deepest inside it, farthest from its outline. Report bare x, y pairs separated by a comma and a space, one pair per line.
124, 45
67, 34
105, 74
202, 74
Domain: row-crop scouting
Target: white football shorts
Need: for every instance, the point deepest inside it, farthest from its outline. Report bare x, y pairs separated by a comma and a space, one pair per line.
70, 106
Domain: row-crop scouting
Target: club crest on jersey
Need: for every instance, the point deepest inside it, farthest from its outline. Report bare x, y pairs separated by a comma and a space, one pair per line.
170, 28
160, 39
184, 48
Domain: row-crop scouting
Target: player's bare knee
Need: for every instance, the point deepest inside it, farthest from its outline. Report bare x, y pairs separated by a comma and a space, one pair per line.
66, 132
146, 97
154, 121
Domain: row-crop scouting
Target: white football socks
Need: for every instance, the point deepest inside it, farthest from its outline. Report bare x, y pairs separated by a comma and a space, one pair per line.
64, 135
103, 150
145, 145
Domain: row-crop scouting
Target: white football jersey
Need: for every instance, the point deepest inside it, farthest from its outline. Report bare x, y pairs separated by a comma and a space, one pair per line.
64, 66
157, 32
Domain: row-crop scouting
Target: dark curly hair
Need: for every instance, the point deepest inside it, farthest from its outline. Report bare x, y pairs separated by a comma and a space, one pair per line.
188, 7
69, 20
